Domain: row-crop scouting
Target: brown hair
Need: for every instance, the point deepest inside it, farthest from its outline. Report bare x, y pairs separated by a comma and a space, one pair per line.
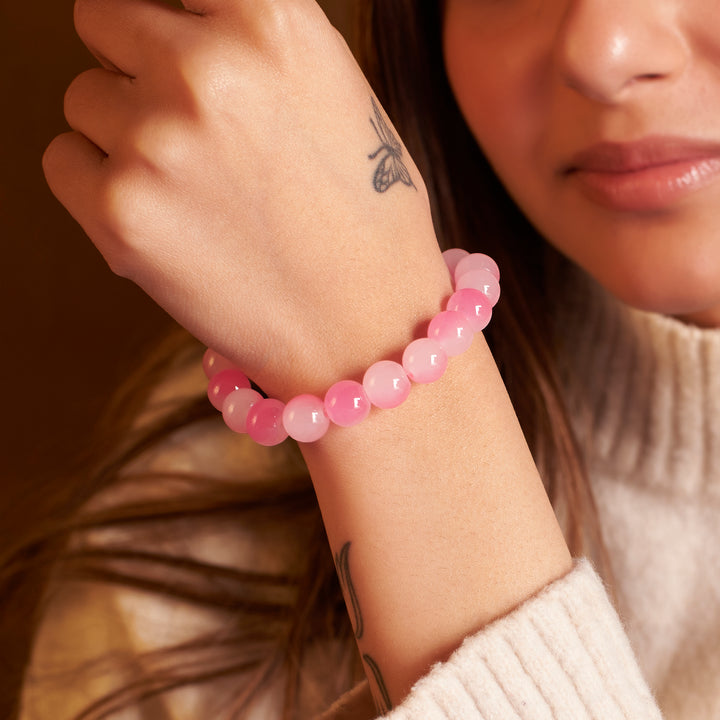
400, 48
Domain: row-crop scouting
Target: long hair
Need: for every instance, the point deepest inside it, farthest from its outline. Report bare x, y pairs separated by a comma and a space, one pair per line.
276, 619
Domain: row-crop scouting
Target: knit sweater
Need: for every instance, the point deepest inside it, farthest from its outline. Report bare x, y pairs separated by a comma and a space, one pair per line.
645, 397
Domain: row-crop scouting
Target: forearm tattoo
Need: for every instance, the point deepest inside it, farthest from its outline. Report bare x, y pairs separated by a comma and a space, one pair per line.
392, 168
380, 693
343, 570
379, 689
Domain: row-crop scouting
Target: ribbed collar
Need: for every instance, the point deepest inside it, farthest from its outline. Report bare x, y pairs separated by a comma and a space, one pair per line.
644, 393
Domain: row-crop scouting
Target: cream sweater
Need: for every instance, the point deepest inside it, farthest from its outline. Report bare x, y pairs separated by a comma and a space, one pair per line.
645, 396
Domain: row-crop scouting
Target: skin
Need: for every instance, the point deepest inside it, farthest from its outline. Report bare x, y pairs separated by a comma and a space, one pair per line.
224, 159
540, 80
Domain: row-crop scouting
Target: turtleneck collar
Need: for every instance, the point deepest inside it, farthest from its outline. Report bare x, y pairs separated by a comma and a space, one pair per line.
644, 392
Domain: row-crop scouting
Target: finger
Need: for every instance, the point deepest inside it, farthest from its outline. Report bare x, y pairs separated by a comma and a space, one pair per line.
119, 32
72, 164
98, 105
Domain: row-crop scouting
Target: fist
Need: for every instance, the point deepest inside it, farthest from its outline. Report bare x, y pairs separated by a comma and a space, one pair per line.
229, 157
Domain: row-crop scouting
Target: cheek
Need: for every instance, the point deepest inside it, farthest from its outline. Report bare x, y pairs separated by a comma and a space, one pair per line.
497, 81
480, 86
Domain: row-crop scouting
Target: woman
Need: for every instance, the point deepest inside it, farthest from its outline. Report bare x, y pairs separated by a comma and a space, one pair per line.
597, 119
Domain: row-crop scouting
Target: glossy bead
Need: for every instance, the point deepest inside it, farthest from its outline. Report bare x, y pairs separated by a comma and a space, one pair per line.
452, 257
347, 403
213, 363
452, 331
223, 383
265, 422
237, 406
424, 360
474, 305
386, 384
304, 418
476, 261
482, 280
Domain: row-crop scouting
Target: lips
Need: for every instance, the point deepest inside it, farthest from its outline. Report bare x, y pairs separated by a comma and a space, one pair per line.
645, 176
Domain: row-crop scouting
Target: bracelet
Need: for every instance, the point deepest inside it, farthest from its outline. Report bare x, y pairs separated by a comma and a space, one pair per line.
386, 384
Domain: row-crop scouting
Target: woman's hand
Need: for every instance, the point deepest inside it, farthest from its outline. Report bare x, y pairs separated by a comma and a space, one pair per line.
224, 159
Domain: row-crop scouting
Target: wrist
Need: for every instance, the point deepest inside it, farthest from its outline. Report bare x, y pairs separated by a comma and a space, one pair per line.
385, 383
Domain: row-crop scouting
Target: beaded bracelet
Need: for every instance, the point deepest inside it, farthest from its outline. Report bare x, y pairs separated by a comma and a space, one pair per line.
386, 384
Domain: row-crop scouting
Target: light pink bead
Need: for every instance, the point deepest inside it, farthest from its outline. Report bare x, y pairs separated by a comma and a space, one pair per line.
223, 383
482, 280
452, 332
452, 257
236, 407
304, 418
386, 384
474, 305
213, 363
264, 422
476, 261
347, 403
424, 360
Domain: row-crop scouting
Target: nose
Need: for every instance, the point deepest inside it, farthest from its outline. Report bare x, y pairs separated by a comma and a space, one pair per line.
606, 49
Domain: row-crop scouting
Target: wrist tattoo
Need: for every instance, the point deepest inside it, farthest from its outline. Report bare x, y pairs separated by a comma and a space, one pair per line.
392, 168
342, 564
381, 696
377, 682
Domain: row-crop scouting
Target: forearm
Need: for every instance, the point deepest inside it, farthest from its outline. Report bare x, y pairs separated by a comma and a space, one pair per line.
448, 522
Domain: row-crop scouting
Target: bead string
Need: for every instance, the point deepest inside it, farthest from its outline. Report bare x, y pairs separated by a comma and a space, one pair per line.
386, 384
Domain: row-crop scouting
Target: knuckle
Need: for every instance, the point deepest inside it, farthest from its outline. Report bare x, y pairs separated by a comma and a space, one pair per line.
119, 210
83, 13
76, 91
158, 144
282, 22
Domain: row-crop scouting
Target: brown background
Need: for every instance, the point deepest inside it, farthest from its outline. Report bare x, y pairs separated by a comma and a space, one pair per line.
70, 329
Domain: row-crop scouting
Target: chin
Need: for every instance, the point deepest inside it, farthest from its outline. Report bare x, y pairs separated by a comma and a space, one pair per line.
667, 264
692, 296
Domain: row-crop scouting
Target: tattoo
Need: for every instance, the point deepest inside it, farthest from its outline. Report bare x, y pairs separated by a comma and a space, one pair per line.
392, 168
382, 698
343, 570
342, 564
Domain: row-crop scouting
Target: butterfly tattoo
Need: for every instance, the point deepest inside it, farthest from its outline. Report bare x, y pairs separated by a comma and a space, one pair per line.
391, 169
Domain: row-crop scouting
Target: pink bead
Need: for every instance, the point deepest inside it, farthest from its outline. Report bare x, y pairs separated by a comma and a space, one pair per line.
223, 383
237, 406
452, 332
347, 403
386, 384
452, 257
424, 360
264, 422
213, 363
482, 280
476, 261
304, 418
474, 305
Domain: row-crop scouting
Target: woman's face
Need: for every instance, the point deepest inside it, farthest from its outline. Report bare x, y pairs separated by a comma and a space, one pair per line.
602, 119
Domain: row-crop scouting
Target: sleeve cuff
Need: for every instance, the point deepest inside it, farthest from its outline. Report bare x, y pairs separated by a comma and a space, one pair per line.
561, 654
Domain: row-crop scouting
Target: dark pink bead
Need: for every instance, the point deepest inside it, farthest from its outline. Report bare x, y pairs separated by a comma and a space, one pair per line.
347, 403
474, 305
223, 383
265, 422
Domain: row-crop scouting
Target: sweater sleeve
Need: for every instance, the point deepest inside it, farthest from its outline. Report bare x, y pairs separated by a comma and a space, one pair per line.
563, 654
